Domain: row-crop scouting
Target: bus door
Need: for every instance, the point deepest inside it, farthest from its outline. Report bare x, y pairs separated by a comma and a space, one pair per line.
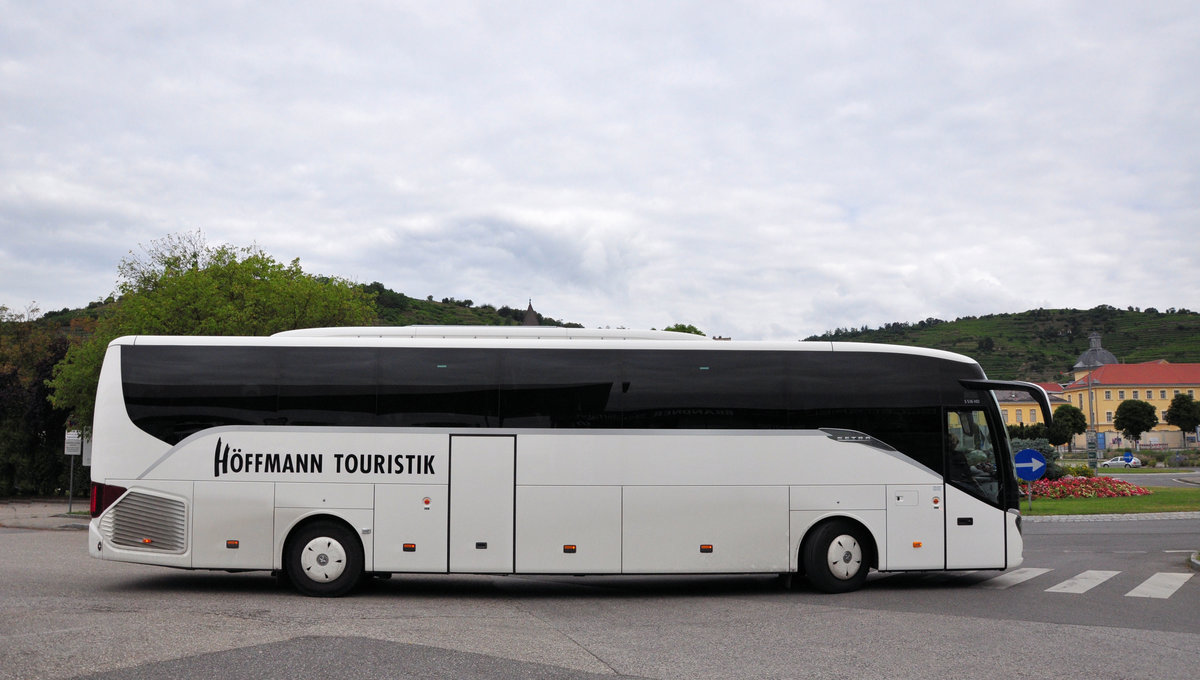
975, 522
482, 481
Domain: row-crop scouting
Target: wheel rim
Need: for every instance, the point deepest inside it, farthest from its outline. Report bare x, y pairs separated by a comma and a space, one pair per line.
323, 559
845, 557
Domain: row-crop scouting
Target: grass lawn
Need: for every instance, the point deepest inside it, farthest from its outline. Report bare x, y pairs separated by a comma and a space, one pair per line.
1163, 499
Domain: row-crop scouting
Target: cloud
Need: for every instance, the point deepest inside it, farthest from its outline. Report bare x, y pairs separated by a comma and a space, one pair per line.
763, 170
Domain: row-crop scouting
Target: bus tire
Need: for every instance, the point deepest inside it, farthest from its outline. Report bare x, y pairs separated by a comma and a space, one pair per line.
837, 557
324, 559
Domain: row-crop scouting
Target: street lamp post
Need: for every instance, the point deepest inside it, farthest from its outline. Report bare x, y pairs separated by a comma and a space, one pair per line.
1092, 436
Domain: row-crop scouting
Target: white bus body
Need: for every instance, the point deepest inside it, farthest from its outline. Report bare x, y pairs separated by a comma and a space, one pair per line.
501, 467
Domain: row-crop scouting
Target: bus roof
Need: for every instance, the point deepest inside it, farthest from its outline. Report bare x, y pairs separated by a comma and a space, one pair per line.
482, 332
524, 337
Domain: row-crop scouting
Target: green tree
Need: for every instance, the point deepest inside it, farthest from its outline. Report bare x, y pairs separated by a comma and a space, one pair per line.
1134, 418
31, 431
1068, 421
1031, 431
181, 286
684, 328
1184, 413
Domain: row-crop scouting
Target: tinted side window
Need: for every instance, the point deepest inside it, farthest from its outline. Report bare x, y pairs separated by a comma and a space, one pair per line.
915, 432
327, 386
895, 398
173, 392
560, 388
438, 388
703, 390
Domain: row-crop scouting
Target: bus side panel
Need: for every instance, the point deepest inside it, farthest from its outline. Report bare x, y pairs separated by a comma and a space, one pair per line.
232, 511
705, 529
411, 528
569, 529
836, 497
916, 537
717, 458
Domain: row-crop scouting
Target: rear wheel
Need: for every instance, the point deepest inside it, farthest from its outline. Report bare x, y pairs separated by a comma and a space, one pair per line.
837, 557
324, 559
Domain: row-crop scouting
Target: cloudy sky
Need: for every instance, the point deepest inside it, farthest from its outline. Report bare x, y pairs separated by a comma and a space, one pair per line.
759, 169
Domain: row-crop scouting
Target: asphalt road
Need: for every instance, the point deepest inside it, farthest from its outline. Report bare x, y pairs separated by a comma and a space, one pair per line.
63, 615
1155, 478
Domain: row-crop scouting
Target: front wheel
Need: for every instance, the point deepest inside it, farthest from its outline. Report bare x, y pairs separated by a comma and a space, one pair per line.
837, 557
324, 559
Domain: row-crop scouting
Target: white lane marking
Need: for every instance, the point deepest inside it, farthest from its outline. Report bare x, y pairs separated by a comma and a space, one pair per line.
1012, 578
1083, 582
1160, 586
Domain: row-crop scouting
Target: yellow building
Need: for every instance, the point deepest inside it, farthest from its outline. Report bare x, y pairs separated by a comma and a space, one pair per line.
1018, 408
1101, 384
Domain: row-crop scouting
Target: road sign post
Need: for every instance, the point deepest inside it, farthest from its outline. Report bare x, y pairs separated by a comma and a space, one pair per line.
72, 446
1030, 465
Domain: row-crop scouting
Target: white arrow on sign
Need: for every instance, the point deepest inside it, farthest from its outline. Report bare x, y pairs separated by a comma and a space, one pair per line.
1034, 465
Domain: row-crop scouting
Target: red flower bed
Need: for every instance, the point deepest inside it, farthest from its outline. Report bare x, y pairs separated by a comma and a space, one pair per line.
1086, 487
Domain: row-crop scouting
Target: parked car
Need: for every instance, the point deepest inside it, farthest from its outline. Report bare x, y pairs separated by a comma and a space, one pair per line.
1120, 461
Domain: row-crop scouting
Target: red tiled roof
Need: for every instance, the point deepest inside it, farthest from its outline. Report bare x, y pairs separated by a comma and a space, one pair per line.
1149, 373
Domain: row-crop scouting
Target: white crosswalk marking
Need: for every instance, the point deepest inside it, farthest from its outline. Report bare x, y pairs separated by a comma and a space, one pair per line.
1012, 578
1083, 582
1161, 586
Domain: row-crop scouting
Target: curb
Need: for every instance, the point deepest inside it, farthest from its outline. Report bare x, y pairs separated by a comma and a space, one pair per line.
1194, 561
1127, 517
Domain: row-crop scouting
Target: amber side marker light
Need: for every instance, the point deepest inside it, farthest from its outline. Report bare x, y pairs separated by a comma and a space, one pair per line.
916, 544
410, 547
232, 544
147, 541
569, 549
706, 548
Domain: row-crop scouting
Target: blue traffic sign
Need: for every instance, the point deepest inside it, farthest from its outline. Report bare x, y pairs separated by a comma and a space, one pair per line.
1030, 464
1128, 456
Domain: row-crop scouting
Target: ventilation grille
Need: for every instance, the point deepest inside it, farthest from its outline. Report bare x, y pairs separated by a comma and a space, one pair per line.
144, 522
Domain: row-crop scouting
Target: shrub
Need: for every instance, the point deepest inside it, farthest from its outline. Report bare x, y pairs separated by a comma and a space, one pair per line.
1079, 471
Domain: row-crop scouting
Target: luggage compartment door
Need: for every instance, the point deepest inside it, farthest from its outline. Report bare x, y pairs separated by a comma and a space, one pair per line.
482, 483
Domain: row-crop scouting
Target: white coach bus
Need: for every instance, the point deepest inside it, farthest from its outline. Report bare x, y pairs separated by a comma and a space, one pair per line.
330, 454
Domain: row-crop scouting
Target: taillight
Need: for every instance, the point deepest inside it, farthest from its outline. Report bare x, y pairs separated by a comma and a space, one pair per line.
103, 495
